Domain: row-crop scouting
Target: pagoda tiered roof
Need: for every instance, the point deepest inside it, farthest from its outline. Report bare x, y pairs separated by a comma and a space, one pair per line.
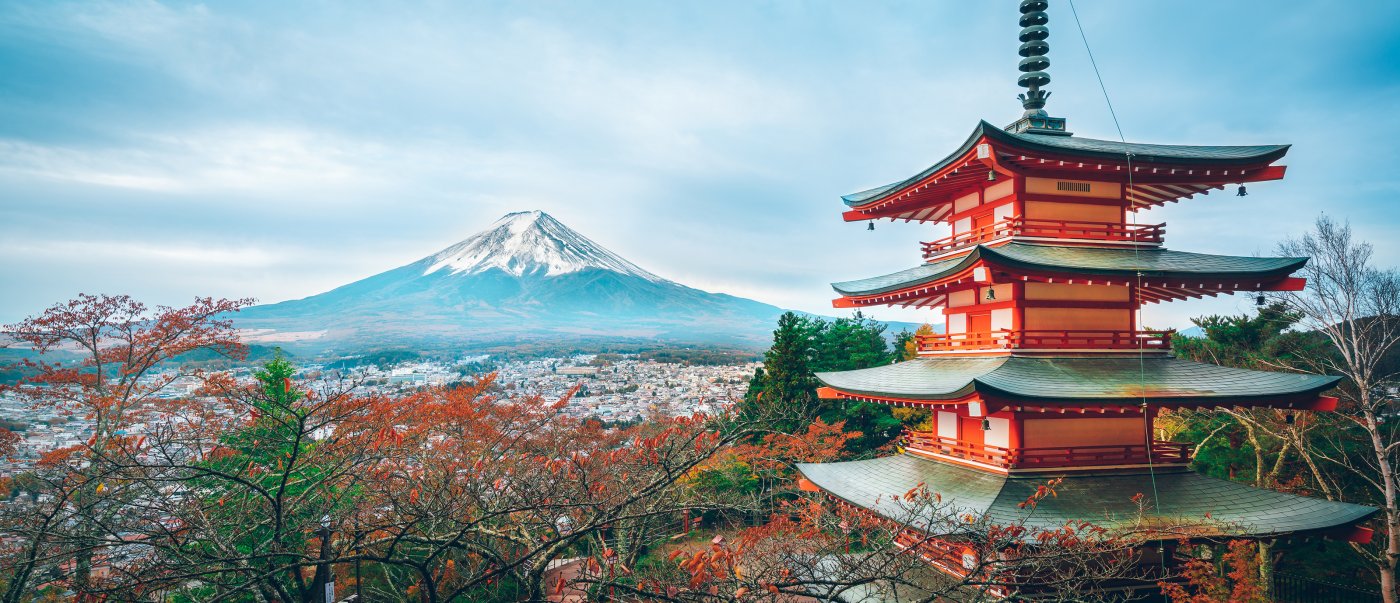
1160, 173
1074, 380
1200, 505
1163, 274
1044, 369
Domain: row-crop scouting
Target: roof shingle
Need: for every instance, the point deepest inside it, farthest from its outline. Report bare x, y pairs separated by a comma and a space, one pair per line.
1071, 378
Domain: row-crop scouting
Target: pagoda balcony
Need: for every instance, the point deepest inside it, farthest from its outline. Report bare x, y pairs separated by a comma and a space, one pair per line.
1162, 452
1049, 229
1045, 340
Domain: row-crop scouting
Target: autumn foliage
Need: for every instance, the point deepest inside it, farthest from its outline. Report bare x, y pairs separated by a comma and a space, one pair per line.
1236, 579
265, 488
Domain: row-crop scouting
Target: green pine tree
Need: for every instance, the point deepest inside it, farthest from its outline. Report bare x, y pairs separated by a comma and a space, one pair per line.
786, 395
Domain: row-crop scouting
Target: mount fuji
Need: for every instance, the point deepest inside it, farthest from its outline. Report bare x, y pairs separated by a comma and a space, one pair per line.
526, 279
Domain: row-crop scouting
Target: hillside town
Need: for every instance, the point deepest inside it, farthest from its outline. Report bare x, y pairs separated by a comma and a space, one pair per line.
614, 388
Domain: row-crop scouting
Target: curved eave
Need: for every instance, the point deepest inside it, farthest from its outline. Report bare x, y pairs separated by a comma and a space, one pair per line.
1167, 398
878, 193
911, 278
1184, 501
924, 379
1079, 149
1071, 380
1082, 261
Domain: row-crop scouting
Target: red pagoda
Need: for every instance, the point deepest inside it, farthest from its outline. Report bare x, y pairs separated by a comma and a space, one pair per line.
1044, 369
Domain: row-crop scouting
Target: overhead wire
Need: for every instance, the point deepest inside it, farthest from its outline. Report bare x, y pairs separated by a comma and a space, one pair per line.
1137, 294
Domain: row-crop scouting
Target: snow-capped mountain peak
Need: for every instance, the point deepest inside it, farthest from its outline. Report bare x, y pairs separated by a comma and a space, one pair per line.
530, 243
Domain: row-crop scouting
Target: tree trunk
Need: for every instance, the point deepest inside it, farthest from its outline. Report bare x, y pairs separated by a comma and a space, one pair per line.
1387, 563
1266, 568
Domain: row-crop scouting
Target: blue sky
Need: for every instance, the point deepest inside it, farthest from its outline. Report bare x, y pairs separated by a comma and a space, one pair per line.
277, 150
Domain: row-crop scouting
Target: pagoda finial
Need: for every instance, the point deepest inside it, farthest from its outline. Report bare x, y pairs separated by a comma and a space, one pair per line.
1034, 62
1033, 76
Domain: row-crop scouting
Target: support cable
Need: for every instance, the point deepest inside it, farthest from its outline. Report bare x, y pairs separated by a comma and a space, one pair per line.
1137, 294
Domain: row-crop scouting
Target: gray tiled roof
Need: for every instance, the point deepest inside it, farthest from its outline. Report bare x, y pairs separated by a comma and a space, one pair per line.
1071, 378
1088, 147
1091, 261
904, 278
1104, 498
923, 378
1170, 153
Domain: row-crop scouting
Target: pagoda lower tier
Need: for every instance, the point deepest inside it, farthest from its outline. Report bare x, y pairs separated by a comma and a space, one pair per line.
1184, 501
1001, 427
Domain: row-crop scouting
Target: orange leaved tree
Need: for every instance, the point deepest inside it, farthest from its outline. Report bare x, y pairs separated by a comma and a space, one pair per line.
115, 379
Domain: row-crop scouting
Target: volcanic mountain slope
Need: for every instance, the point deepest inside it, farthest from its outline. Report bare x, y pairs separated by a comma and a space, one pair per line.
527, 278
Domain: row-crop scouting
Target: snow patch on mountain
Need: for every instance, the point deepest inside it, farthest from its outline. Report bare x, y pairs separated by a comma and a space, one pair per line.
530, 243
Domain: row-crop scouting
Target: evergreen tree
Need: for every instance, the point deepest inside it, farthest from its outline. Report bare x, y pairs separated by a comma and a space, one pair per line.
278, 476
784, 389
850, 343
1244, 341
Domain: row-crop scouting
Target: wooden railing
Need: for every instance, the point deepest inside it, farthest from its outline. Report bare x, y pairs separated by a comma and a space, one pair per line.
1045, 340
1053, 229
990, 232
943, 342
928, 442
1112, 340
1032, 458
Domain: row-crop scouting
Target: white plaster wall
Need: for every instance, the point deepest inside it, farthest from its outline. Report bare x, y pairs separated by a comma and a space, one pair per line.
957, 323
947, 424
964, 203
999, 434
965, 297
962, 225
998, 190
1001, 319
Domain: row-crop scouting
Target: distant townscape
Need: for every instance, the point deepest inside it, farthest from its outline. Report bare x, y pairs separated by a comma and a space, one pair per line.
613, 388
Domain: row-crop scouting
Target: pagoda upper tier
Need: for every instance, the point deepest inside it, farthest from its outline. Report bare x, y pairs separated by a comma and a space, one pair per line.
1050, 163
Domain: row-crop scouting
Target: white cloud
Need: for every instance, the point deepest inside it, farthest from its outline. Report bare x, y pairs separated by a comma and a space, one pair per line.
137, 252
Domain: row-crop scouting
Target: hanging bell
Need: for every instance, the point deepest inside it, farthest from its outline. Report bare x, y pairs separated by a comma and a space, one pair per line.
991, 175
1242, 192
1261, 300
871, 226
1288, 418
986, 424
